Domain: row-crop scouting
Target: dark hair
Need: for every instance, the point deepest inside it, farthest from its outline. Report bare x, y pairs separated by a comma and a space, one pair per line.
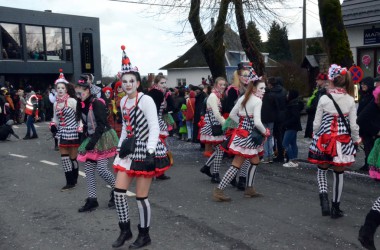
136, 74
71, 90
292, 94
272, 81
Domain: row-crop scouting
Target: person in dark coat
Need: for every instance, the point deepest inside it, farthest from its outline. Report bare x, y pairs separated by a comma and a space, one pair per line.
201, 95
6, 131
366, 97
292, 125
312, 103
268, 117
279, 93
369, 123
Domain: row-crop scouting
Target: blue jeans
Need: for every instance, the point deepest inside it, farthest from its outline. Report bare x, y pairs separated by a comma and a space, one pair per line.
290, 143
30, 125
268, 144
189, 125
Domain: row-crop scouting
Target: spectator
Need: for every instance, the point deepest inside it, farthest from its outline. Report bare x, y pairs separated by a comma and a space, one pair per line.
279, 94
268, 117
182, 122
201, 95
179, 99
365, 93
22, 104
311, 106
292, 125
190, 104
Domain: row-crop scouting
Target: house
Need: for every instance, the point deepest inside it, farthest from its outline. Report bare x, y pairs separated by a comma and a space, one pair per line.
191, 66
362, 21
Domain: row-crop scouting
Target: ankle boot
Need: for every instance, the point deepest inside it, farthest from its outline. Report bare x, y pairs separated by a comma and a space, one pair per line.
142, 240
233, 182
219, 195
75, 175
69, 182
125, 234
241, 183
111, 202
206, 170
215, 178
325, 204
250, 192
335, 210
91, 204
367, 231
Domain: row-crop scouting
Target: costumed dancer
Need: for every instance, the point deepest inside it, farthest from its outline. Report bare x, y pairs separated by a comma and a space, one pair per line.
65, 128
371, 223
142, 155
239, 141
117, 119
99, 145
335, 131
211, 133
157, 92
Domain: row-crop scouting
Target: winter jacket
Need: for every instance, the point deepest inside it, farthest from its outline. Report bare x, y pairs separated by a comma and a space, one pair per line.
190, 104
269, 108
279, 94
369, 120
293, 115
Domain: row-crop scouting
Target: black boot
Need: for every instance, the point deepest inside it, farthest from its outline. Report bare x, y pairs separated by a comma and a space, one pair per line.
241, 183
367, 231
335, 210
91, 204
111, 202
69, 181
75, 175
125, 234
215, 178
325, 204
142, 240
206, 170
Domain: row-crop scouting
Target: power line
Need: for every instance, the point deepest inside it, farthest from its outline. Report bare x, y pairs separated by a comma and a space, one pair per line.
187, 6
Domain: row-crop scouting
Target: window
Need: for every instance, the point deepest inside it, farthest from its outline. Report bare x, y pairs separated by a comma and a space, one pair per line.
68, 44
54, 46
10, 41
34, 42
181, 82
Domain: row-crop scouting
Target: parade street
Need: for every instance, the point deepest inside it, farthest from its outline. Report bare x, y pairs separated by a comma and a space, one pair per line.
36, 215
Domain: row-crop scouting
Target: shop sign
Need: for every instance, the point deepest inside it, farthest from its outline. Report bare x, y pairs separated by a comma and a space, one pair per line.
372, 36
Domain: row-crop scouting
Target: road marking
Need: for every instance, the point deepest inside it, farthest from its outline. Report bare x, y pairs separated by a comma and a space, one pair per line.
49, 163
15, 126
130, 194
19, 156
36, 126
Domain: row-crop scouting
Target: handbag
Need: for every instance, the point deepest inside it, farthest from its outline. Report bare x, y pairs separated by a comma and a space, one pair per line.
216, 130
255, 136
340, 113
129, 143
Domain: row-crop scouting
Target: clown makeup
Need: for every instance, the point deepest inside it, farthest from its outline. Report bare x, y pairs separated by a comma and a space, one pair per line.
243, 77
107, 94
82, 93
162, 83
260, 90
129, 84
61, 89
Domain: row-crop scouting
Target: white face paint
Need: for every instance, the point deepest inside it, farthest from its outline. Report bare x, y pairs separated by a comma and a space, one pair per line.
260, 89
107, 94
162, 83
82, 93
61, 89
129, 84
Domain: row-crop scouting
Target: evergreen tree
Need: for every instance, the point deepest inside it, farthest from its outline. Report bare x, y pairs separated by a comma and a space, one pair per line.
278, 43
254, 35
334, 33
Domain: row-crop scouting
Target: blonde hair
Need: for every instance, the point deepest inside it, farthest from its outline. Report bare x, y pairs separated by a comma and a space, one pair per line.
235, 79
218, 79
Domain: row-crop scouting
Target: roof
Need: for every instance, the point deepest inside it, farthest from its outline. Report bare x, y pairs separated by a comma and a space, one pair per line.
310, 60
295, 46
194, 56
360, 12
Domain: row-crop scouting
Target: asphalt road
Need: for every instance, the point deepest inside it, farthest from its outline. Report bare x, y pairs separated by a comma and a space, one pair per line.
34, 214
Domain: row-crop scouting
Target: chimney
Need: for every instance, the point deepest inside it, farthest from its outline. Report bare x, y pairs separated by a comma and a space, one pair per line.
212, 23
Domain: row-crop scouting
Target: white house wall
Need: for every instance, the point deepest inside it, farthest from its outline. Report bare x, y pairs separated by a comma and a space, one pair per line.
356, 38
192, 75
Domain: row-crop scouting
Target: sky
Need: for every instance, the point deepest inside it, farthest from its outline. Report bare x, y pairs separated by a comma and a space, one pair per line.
150, 40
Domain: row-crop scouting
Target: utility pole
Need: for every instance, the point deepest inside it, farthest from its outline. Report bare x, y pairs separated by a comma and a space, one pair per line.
304, 51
